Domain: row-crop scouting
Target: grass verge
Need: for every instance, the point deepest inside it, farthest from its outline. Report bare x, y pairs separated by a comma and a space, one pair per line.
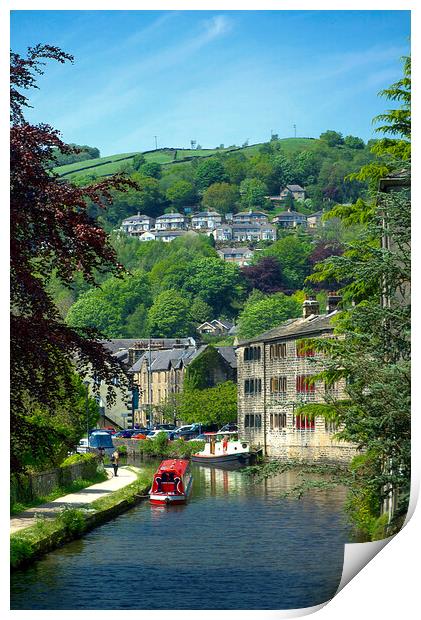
73, 487
48, 534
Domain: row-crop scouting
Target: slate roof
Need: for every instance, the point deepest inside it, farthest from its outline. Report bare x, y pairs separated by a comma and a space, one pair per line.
234, 251
206, 214
170, 216
295, 188
164, 359
228, 353
249, 213
117, 344
293, 328
137, 218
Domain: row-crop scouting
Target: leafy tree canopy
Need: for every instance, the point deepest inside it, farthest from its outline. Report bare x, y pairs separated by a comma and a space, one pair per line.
216, 405
264, 314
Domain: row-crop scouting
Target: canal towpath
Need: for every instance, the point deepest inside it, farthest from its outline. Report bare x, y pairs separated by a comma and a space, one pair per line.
74, 500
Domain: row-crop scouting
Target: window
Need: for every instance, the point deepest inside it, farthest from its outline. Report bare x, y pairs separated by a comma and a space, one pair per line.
253, 420
252, 386
278, 385
332, 389
331, 427
252, 353
277, 351
304, 423
303, 349
303, 386
278, 421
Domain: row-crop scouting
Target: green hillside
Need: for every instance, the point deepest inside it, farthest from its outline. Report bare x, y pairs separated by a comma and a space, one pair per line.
105, 166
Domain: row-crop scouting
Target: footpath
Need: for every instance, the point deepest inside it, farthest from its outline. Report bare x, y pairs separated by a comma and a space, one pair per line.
73, 500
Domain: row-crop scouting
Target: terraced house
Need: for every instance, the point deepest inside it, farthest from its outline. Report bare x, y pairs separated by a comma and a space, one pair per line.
273, 380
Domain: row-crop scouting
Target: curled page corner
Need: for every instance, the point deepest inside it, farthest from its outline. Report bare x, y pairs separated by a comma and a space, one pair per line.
356, 556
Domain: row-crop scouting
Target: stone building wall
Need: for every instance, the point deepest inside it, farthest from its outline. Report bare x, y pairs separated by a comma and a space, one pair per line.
275, 427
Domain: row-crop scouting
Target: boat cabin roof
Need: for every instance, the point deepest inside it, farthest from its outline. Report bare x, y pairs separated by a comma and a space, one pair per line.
177, 466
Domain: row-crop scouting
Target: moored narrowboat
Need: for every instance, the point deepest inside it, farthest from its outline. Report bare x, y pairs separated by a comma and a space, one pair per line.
172, 482
223, 449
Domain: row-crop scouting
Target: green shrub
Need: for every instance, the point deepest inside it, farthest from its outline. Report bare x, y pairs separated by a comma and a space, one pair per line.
79, 458
122, 449
20, 550
379, 527
73, 520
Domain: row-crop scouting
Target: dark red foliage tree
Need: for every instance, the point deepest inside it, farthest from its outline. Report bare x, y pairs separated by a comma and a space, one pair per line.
323, 250
265, 276
51, 231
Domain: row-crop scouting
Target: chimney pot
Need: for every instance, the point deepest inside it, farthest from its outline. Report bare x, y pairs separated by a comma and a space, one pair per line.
310, 306
333, 301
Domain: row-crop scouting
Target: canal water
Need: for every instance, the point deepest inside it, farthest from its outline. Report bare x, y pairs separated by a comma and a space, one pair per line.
234, 545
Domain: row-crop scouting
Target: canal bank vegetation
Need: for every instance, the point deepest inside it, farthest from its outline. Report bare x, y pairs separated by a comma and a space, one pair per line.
160, 446
70, 523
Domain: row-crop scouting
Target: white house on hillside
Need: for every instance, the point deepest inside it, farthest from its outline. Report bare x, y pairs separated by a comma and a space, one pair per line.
171, 221
136, 224
206, 220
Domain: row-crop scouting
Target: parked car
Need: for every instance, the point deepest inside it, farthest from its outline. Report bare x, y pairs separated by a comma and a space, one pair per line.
229, 428
82, 446
170, 434
165, 427
127, 433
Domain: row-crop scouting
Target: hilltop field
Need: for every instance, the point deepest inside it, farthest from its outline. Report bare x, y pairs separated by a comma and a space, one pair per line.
111, 164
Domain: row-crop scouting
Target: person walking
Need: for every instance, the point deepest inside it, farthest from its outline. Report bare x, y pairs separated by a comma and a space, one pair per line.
114, 460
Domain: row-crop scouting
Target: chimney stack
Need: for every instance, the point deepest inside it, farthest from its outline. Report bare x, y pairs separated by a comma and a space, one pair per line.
333, 301
310, 306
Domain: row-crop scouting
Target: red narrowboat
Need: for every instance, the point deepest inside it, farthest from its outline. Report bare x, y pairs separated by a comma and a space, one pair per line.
172, 482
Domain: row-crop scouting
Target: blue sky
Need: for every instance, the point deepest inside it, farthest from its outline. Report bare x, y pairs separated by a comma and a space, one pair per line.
212, 76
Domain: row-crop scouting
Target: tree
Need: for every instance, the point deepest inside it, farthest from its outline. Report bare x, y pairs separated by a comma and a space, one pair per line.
265, 275
373, 356
253, 193
216, 405
208, 172
169, 316
353, 142
200, 311
214, 281
151, 169
79, 153
52, 232
181, 193
260, 316
292, 253
138, 161
107, 308
221, 197
332, 138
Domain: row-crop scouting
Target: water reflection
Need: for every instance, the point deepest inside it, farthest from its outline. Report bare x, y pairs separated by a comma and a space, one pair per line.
234, 545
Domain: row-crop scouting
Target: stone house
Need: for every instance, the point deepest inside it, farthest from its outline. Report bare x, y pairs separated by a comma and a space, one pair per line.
273, 380
295, 191
171, 221
290, 219
137, 224
314, 220
250, 217
242, 256
159, 376
206, 220
215, 327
